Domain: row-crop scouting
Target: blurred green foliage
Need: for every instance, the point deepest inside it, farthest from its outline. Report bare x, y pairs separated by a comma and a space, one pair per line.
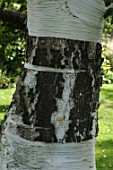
107, 53
12, 42
109, 10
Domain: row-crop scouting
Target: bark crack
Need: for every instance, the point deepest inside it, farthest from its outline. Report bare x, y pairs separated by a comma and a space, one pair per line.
66, 5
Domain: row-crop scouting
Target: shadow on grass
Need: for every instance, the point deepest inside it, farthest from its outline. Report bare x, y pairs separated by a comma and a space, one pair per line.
108, 93
104, 156
3, 108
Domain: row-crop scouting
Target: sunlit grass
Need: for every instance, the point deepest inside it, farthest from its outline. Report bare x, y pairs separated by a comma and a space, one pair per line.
104, 142
5, 99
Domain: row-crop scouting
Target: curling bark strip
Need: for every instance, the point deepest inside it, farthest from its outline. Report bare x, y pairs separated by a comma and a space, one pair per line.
71, 19
51, 69
26, 155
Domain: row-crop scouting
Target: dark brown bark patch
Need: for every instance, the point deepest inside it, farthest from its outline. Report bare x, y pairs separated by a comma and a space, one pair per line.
36, 103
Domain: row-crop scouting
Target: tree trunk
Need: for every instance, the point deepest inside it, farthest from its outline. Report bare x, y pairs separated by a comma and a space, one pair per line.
52, 120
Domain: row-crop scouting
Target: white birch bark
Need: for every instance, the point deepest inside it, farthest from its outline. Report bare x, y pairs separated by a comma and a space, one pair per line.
71, 19
21, 154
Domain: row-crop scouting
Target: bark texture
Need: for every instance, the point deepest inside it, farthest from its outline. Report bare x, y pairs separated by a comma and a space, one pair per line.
66, 19
58, 107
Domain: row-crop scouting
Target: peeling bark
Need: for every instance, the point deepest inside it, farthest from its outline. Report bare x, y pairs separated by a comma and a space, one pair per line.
40, 95
54, 107
71, 19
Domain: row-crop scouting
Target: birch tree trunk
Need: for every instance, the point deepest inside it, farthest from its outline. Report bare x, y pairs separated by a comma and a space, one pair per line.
52, 120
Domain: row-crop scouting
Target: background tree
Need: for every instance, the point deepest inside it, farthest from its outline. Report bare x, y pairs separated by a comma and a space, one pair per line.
12, 39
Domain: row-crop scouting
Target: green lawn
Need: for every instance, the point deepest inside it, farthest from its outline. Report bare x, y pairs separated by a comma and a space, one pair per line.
5, 99
104, 142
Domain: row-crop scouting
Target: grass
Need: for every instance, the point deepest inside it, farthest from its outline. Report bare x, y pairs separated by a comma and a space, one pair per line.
104, 142
5, 99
